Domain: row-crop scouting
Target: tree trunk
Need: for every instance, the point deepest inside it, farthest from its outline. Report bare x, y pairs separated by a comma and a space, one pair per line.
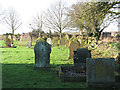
31, 40
60, 34
12, 36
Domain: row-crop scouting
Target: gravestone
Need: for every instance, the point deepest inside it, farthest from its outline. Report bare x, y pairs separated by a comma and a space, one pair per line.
118, 57
8, 41
67, 43
62, 41
28, 44
49, 41
73, 47
80, 56
100, 72
66, 36
55, 43
42, 52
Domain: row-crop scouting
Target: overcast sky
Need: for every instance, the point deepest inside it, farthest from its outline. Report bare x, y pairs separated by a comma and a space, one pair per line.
27, 9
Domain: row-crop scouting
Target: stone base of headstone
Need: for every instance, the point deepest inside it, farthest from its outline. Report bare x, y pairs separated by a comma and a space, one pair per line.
71, 74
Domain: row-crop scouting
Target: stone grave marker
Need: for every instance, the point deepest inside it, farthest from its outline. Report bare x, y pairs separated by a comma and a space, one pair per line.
28, 44
62, 41
73, 47
55, 43
42, 52
67, 43
66, 36
7, 41
100, 72
49, 41
80, 56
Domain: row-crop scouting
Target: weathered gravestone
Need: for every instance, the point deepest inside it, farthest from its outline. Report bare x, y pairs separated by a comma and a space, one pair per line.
73, 47
67, 43
28, 44
62, 41
7, 41
55, 43
42, 54
49, 41
80, 56
100, 72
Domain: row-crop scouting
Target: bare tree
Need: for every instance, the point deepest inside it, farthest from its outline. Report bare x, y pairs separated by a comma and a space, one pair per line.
37, 24
12, 20
57, 18
1, 14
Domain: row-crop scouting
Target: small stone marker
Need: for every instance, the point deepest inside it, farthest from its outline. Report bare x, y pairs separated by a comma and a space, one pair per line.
28, 44
100, 72
42, 54
49, 41
73, 47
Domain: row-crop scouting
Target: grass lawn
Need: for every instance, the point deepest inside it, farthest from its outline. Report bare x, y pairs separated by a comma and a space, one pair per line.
18, 63
18, 72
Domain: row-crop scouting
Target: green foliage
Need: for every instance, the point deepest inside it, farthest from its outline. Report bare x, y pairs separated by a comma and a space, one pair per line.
89, 16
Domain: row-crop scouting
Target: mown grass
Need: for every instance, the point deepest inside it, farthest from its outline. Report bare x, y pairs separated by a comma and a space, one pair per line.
18, 71
18, 66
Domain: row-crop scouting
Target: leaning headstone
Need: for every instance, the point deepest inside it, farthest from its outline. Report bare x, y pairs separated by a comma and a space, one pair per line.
80, 56
42, 54
28, 44
100, 72
73, 47
49, 41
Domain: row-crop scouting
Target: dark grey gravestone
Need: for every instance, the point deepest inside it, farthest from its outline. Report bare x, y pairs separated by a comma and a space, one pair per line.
100, 72
42, 54
80, 56
28, 44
